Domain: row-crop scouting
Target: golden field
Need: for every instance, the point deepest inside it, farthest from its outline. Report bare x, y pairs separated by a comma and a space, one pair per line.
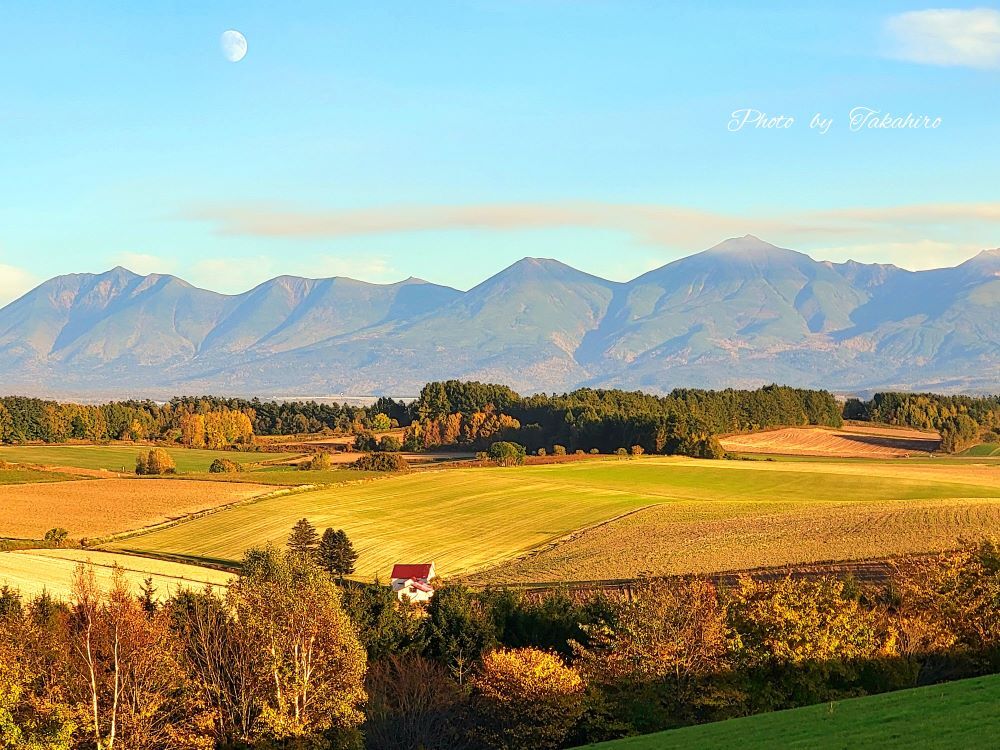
31, 571
674, 515
99, 507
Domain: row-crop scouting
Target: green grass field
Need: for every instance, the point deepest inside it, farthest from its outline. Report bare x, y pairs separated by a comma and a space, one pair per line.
115, 457
461, 519
984, 450
468, 519
282, 476
31, 476
953, 716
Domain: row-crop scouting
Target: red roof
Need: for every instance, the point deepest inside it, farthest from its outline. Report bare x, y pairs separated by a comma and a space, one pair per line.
421, 586
405, 572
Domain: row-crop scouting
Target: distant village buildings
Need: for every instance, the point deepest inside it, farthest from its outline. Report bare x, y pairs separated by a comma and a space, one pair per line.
413, 582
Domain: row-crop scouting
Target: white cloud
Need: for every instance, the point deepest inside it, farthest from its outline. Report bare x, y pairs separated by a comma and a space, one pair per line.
14, 282
947, 36
914, 235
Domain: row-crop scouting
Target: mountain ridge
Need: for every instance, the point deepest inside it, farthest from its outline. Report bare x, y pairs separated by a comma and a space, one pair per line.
742, 313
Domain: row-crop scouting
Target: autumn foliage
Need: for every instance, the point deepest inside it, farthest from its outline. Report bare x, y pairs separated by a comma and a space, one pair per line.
292, 658
526, 698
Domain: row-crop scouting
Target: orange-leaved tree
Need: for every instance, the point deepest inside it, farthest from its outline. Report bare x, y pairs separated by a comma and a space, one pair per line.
526, 697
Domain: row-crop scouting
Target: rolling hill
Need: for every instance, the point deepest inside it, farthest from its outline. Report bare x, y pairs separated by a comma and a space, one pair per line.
946, 717
743, 313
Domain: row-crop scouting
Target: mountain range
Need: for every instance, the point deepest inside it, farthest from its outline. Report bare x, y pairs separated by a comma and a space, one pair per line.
743, 313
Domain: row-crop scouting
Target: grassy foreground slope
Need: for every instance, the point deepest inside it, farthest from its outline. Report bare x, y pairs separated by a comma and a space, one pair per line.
465, 519
954, 715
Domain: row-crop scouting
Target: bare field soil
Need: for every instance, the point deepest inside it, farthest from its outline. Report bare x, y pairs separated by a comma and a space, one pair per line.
32, 571
717, 516
847, 442
99, 507
667, 540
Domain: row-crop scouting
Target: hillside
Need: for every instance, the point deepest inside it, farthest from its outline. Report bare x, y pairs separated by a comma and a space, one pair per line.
743, 313
954, 715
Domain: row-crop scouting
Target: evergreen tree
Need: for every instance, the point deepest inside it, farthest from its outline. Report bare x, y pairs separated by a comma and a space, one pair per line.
303, 540
456, 632
147, 595
336, 553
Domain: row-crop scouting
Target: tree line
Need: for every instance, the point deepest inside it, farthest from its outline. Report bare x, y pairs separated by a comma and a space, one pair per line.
962, 421
196, 423
288, 657
474, 415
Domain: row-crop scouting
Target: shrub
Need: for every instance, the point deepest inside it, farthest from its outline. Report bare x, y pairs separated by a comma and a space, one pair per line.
389, 444
224, 466
540, 452
154, 463
56, 536
504, 453
381, 462
319, 462
365, 441
381, 422
594, 451
526, 698
558, 450
711, 448
578, 452
637, 450
621, 452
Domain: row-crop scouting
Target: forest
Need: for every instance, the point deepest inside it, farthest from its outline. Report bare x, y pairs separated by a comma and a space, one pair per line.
962, 421
472, 415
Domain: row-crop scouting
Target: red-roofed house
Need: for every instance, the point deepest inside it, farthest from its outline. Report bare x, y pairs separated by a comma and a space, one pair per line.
413, 582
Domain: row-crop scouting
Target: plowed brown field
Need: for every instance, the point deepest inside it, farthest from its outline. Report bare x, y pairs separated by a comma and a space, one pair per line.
847, 442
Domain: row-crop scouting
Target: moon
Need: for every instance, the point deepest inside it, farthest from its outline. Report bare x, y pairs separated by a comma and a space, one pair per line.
234, 45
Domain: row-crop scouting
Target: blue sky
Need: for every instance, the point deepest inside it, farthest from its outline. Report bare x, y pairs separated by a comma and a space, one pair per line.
448, 139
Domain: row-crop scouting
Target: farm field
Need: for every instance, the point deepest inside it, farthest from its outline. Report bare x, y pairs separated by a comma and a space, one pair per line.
462, 519
737, 515
31, 571
117, 457
98, 507
282, 476
847, 442
18, 475
951, 716
985, 450
672, 515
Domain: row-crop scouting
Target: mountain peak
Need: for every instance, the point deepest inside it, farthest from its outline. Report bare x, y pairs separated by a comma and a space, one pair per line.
119, 272
746, 244
987, 263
